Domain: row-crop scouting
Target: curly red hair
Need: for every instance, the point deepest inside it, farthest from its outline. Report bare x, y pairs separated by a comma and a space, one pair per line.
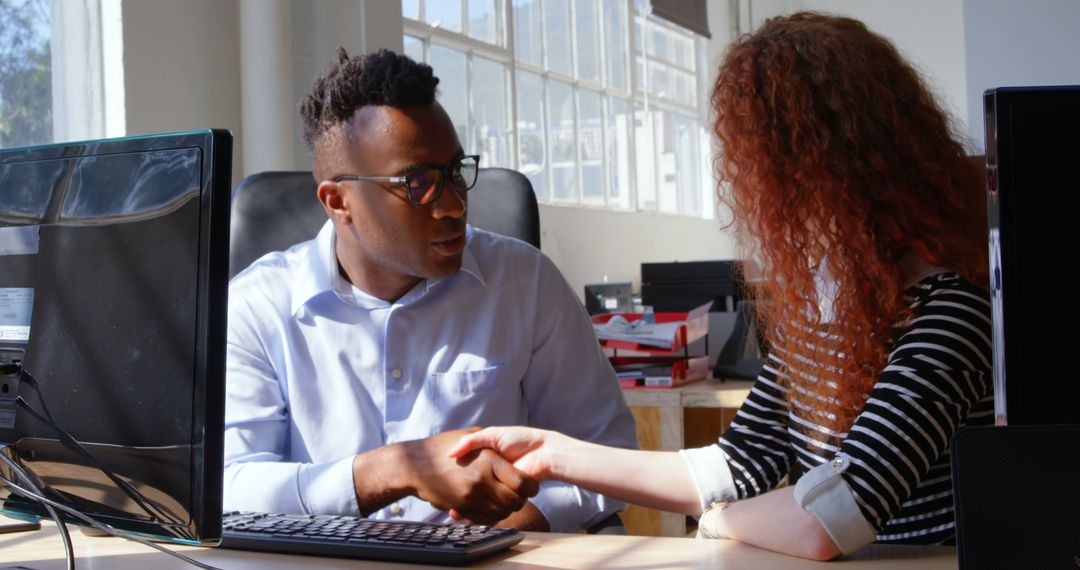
834, 148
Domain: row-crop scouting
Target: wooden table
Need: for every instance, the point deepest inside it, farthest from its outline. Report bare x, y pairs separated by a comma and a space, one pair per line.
669, 419
42, 550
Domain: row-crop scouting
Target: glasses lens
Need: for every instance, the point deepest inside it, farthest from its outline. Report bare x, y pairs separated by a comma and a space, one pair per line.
423, 186
465, 173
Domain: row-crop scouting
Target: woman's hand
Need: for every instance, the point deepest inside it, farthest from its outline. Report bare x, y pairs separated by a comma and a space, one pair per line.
531, 450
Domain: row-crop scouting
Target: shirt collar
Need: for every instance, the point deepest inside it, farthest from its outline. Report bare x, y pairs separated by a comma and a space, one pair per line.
318, 274
312, 277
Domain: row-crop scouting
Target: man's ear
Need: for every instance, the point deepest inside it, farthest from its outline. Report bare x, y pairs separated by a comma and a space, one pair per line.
332, 196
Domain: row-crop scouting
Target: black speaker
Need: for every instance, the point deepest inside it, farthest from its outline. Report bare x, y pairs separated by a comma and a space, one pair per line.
1017, 496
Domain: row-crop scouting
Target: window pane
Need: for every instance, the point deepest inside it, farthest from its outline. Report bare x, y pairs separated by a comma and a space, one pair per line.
640, 80
667, 191
414, 48
684, 51
449, 66
658, 42
615, 43
532, 154
591, 146
660, 80
588, 40
25, 73
482, 20
684, 88
527, 39
557, 33
561, 129
684, 140
644, 146
618, 153
445, 14
639, 36
491, 133
679, 174
410, 9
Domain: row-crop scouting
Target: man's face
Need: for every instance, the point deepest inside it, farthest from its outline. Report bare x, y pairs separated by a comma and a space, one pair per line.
387, 238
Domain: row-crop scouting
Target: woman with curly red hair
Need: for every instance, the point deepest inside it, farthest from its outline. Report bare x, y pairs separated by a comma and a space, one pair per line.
869, 225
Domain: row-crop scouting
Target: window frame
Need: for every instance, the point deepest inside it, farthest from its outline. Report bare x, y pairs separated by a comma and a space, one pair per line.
502, 53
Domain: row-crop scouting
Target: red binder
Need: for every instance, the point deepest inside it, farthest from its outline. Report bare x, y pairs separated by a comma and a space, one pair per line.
683, 368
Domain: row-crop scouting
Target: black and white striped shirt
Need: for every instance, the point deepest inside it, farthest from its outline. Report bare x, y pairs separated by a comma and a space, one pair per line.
895, 458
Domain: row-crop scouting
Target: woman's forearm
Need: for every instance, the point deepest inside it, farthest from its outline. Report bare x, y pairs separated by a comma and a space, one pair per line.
774, 521
654, 479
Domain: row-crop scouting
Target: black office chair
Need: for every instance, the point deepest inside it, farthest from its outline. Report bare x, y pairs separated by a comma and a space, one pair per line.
272, 211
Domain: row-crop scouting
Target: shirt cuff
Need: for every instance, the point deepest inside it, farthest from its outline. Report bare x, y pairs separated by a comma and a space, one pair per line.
823, 493
328, 488
711, 474
567, 508
262, 486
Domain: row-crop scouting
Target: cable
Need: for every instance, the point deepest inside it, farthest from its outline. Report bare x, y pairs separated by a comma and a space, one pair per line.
156, 514
65, 536
47, 503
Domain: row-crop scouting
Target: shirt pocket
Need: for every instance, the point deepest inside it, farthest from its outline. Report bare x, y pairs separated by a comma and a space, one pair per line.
467, 382
484, 396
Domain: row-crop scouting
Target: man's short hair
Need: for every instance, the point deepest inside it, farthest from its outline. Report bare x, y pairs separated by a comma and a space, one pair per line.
380, 78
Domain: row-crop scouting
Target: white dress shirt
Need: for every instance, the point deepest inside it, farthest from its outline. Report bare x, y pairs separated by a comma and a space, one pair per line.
319, 371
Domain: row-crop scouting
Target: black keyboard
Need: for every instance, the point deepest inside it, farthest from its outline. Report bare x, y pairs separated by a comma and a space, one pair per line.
353, 537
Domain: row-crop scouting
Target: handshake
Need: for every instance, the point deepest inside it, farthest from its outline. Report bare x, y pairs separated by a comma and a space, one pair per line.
480, 476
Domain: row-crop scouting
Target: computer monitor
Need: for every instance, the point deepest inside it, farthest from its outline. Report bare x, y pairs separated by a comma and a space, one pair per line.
1032, 142
682, 286
113, 293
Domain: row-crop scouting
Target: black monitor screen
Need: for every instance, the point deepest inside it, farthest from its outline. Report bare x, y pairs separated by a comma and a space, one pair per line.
1032, 143
113, 279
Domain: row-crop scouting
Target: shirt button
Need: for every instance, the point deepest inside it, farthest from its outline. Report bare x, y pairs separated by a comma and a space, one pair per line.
396, 373
395, 508
838, 463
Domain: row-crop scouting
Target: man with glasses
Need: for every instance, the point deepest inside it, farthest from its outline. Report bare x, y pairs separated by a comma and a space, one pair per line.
356, 359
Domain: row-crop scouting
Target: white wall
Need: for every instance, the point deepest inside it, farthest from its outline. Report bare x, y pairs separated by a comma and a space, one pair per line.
1011, 43
182, 68
587, 244
928, 33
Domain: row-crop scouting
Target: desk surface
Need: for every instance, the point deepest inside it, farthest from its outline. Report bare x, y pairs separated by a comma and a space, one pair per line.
42, 550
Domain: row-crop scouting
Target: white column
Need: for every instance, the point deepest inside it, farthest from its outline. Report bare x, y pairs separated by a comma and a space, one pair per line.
266, 85
78, 110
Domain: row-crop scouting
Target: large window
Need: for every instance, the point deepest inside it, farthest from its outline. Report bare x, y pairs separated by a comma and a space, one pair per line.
596, 101
61, 71
25, 73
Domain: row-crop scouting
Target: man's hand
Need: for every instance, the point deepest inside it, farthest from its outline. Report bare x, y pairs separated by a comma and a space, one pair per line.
480, 486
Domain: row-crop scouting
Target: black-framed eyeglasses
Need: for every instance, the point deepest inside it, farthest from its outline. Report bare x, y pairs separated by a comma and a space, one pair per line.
426, 185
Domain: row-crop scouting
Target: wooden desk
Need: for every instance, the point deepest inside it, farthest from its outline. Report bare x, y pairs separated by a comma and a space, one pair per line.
42, 550
670, 419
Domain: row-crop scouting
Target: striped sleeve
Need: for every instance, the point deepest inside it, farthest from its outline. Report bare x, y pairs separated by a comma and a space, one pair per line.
938, 370
756, 445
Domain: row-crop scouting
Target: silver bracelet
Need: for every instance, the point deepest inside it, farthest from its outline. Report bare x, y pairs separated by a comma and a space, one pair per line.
709, 521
